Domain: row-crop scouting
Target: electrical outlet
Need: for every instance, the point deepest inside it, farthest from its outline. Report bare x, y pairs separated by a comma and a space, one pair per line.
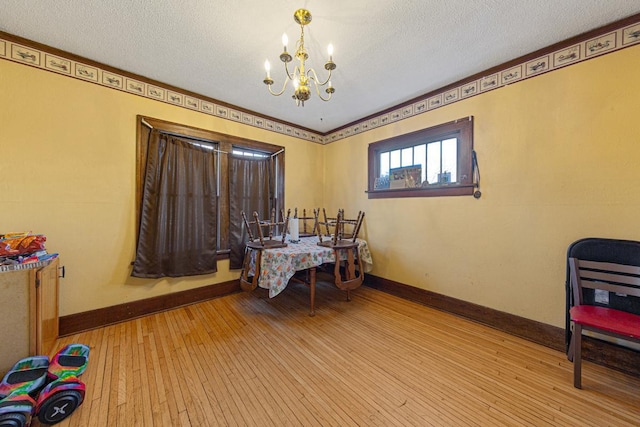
601, 296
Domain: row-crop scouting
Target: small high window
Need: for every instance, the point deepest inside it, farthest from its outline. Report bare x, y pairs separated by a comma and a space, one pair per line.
431, 162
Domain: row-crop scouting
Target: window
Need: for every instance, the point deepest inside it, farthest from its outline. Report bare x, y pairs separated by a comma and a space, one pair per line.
179, 209
431, 162
249, 153
229, 147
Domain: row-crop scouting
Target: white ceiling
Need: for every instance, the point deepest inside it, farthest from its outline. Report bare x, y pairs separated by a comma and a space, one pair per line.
387, 52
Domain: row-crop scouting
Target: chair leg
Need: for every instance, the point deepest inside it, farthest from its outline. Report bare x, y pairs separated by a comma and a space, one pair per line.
312, 292
570, 350
244, 273
351, 280
245, 284
576, 339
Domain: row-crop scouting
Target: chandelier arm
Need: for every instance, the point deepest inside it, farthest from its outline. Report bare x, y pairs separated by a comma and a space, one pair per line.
315, 82
317, 87
290, 76
321, 97
284, 87
313, 76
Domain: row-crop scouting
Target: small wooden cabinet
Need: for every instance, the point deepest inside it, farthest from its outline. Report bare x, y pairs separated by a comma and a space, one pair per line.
29, 313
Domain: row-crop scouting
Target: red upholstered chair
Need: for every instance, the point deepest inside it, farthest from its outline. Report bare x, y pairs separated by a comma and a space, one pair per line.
610, 278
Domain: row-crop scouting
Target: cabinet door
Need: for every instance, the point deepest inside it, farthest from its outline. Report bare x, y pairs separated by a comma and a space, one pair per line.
18, 311
47, 307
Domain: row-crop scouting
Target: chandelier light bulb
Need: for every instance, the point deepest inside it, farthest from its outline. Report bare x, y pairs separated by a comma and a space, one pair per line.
285, 40
330, 50
267, 67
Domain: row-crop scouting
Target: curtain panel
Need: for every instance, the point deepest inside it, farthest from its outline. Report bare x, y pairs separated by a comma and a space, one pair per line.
178, 220
250, 190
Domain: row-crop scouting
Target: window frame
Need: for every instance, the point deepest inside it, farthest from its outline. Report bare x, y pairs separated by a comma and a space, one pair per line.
462, 129
226, 143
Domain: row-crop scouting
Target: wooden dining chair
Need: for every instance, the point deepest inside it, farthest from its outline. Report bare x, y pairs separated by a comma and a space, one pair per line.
348, 269
339, 227
328, 223
307, 223
259, 241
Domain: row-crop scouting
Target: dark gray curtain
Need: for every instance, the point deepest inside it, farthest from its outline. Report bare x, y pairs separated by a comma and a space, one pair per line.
250, 190
178, 222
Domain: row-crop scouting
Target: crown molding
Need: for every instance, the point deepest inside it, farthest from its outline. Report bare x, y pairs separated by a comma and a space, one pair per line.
47, 58
604, 40
592, 44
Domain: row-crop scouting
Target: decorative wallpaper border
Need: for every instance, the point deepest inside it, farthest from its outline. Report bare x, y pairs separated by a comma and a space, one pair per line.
24, 54
607, 42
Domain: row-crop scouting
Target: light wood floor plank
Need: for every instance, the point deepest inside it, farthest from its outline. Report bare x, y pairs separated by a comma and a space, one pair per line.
280, 349
115, 377
248, 389
208, 346
279, 392
247, 360
339, 417
168, 372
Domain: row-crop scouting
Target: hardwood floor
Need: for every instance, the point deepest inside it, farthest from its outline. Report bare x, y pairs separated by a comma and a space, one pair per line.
247, 360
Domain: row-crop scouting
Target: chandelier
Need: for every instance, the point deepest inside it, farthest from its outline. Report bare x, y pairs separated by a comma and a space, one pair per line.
301, 77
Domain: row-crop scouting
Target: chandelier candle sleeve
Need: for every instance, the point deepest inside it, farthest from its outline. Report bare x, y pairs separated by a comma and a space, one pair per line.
303, 78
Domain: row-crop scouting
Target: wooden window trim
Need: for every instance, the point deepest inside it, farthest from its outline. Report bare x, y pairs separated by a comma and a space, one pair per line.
461, 128
225, 143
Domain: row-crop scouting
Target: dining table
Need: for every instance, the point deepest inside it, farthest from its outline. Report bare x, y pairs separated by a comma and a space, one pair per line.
279, 265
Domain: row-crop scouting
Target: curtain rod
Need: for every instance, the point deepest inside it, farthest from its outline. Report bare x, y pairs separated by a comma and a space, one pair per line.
209, 141
277, 152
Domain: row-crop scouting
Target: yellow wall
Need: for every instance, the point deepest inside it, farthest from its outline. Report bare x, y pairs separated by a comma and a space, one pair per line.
558, 156
67, 167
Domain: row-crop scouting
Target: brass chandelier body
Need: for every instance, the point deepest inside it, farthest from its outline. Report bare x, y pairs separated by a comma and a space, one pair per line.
302, 77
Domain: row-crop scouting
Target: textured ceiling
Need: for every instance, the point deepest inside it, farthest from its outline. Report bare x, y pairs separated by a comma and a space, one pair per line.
387, 52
